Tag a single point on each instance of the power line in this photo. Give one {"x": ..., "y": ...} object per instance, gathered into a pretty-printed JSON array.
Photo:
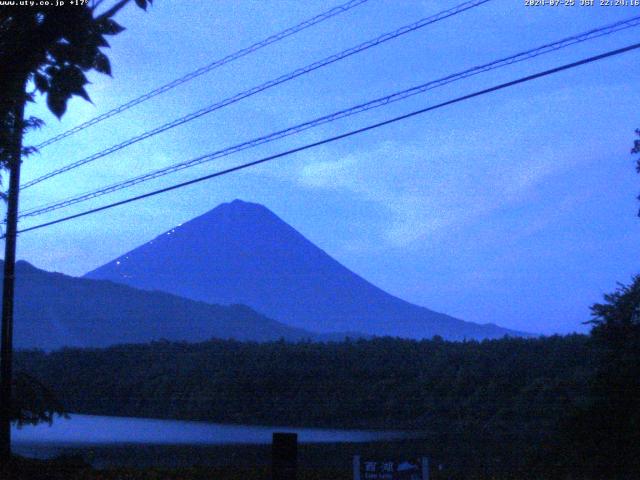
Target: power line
[
  {"x": 207, "y": 68},
  {"x": 271, "y": 83},
  {"x": 351, "y": 133},
  {"x": 379, "y": 102}
]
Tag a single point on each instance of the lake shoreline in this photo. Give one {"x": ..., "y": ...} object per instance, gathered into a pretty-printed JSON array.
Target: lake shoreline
[
  {"x": 311, "y": 456},
  {"x": 94, "y": 430}
]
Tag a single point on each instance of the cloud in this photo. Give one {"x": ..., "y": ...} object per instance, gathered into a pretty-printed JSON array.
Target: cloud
[
  {"x": 452, "y": 175},
  {"x": 431, "y": 188}
]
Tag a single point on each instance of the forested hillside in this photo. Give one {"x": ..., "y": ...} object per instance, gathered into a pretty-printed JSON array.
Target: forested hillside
[
  {"x": 53, "y": 310},
  {"x": 531, "y": 407},
  {"x": 510, "y": 386}
]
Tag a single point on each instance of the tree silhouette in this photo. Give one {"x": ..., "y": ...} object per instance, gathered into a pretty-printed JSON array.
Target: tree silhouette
[
  {"x": 636, "y": 150},
  {"x": 33, "y": 401},
  {"x": 603, "y": 438},
  {"x": 48, "y": 49},
  {"x": 53, "y": 47}
]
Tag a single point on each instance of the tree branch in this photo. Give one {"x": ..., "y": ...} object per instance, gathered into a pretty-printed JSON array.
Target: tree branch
[{"x": 113, "y": 10}]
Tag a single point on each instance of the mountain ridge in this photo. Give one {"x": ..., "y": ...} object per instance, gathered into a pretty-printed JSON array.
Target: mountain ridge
[{"x": 53, "y": 310}]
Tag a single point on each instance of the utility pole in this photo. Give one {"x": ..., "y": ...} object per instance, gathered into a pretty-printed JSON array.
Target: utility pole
[{"x": 6, "y": 340}]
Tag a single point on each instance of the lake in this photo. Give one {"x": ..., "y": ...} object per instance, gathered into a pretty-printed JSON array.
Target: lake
[
  {"x": 89, "y": 431},
  {"x": 94, "y": 429}
]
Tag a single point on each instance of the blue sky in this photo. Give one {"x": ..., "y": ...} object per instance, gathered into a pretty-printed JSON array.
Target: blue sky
[{"x": 516, "y": 208}]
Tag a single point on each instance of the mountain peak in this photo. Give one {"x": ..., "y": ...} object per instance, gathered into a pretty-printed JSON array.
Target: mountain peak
[
  {"x": 24, "y": 266},
  {"x": 235, "y": 211},
  {"x": 238, "y": 204},
  {"x": 241, "y": 252}
]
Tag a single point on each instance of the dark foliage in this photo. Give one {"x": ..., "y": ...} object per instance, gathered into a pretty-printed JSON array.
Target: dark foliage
[
  {"x": 476, "y": 397},
  {"x": 56, "y": 46},
  {"x": 50, "y": 48},
  {"x": 33, "y": 402},
  {"x": 636, "y": 150},
  {"x": 62, "y": 468},
  {"x": 604, "y": 436}
]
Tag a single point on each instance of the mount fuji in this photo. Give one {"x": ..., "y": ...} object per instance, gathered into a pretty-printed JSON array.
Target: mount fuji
[{"x": 242, "y": 253}]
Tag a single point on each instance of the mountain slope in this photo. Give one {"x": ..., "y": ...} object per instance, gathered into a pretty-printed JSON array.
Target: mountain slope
[
  {"x": 53, "y": 310},
  {"x": 242, "y": 253}
]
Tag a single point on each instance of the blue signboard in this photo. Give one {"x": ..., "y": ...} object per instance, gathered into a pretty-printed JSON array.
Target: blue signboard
[{"x": 369, "y": 469}]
